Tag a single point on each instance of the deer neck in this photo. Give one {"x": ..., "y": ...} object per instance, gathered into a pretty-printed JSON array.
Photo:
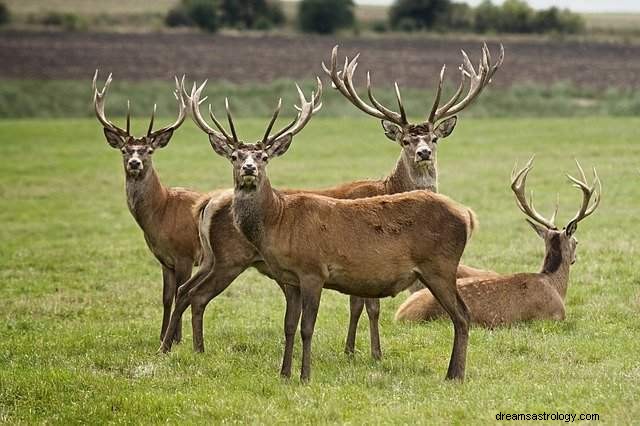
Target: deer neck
[
  {"x": 407, "y": 177},
  {"x": 254, "y": 208},
  {"x": 146, "y": 198},
  {"x": 556, "y": 266}
]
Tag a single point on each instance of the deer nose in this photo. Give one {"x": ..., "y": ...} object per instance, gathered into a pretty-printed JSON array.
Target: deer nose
[
  {"x": 424, "y": 153},
  {"x": 249, "y": 168},
  {"x": 135, "y": 163}
]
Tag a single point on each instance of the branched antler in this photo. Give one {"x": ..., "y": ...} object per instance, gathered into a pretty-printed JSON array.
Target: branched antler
[
  {"x": 587, "y": 193},
  {"x": 518, "y": 184}
]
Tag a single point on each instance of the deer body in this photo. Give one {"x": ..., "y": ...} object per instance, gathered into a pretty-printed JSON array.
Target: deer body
[{"x": 509, "y": 299}]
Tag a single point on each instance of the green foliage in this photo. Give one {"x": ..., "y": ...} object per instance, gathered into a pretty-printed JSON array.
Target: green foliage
[
  {"x": 325, "y": 16},
  {"x": 64, "y": 20},
  {"x": 557, "y": 20},
  {"x": 202, "y": 13},
  {"x": 5, "y": 14},
  {"x": 425, "y": 14},
  {"x": 252, "y": 13},
  {"x": 81, "y": 306}
]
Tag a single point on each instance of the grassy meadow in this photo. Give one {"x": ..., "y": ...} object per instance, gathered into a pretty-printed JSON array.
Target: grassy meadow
[{"x": 81, "y": 294}]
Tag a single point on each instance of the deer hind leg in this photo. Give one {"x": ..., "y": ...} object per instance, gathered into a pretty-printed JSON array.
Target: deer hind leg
[
  {"x": 182, "y": 275},
  {"x": 310, "y": 291},
  {"x": 291, "y": 320},
  {"x": 373, "y": 312},
  {"x": 168, "y": 291},
  {"x": 444, "y": 289},
  {"x": 356, "y": 305}
]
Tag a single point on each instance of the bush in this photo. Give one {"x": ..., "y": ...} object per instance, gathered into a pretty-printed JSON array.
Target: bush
[
  {"x": 250, "y": 13},
  {"x": 202, "y": 13},
  {"x": 66, "y": 21},
  {"x": 379, "y": 26},
  {"x": 517, "y": 17},
  {"x": 487, "y": 17},
  {"x": 5, "y": 15},
  {"x": 325, "y": 16},
  {"x": 556, "y": 20},
  {"x": 460, "y": 17},
  {"x": 424, "y": 13}
]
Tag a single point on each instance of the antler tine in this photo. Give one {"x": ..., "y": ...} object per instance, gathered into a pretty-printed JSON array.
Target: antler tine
[
  {"x": 199, "y": 119},
  {"x": 317, "y": 104},
  {"x": 230, "y": 120},
  {"x": 479, "y": 80},
  {"x": 273, "y": 120},
  {"x": 128, "y": 117},
  {"x": 98, "y": 101},
  {"x": 555, "y": 211},
  {"x": 587, "y": 193},
  {"x": 153, "y": 114},
  {"x": 182, "y": 111},
  {"x": 403, "y": 114},
  {"x": 307, "y": 109},
  {"x": 518, "y": 185},
  {"x": 436, "y": 101}
]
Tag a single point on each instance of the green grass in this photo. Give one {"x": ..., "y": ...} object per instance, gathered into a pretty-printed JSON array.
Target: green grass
[
  {"x": 81, "y": 294},
  {"x": 72, "y": 98}
]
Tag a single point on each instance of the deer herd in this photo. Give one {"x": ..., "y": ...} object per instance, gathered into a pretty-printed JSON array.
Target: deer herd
[{"x": 368, "y": 239}]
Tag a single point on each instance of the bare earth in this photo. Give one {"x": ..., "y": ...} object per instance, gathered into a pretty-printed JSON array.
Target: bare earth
[{"x": 250, "y": 58}]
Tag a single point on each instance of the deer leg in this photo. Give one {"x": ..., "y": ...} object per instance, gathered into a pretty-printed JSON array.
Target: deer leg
[
  {"x": 310, "y": 290},
  {"x": 373, "y": 312},
  {"x": 168, "y": 290},
  {"x": 356, "y": 304},
  {"x": 446, "y": 292},
  {"x": 182, "y": 274},
  {"x": 291, "y": 319},
  {"x": 203, "y": 293}
]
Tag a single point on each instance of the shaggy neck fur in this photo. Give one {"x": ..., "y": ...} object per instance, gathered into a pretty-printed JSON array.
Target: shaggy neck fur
[
  {"x": 556, "y": 265},
  {"x": 253, "y": 207},
  {"x": 146, "y": 197},
  {"x": 406, "y": 176}
]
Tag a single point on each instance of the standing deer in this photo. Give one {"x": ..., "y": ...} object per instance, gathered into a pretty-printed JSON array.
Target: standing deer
[
  {"x": 415, "y": 169},
  {"x": 371, "y": 247},
  {"x": 163, "y": 214},
  {"x": 519, "y": 297}
]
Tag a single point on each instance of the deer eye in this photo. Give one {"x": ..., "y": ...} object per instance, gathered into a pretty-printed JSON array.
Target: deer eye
[
  {"x": 405, "y": 142},
  {"x": 234, "y": 156},
  {"x": 434, "y": 140},
  {"x": 264, "y": 157},
  {"x": 149, "y": 150}
]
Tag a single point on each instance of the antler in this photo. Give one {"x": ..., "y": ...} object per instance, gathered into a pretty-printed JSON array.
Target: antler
[
  {"x": 479, "y": 80},
  {"x": 98, "y": 101},
  {"x": 182, "y": 111},
  {"x": 518, "y": 183},
  {"x": 343, "y": 82},
  {"x": 222, "y": 134},
  {"x": 587, "y": 193},
  {"x": 305, "y": 111}
]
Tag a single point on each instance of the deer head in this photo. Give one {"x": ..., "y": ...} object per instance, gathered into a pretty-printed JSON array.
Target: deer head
[
  {"x": 557, "y": 240},
  {"x": 136, "y": 151},
  {"x": 249, "y": 160},
  {"x": 419, "y": 141}
]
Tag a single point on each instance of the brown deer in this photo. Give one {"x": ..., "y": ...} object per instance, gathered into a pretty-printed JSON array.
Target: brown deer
[
  {"x": 163, "y": 214},
  {"x": 519, "y": 297},
  {"x": 370, "y": 247},
  {"x": 415, "y": 169}
]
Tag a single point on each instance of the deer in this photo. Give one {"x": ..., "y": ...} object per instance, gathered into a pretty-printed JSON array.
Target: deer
[
  {"x": 510, "y": 299},
  {"x": 369, "y": 247},
  {"x": 163, "y": 214},
  {"x": 415, "y": 169}
]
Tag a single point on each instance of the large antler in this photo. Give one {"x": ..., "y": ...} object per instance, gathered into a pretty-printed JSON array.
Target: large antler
[
  {"x": 479, "y": 80},
  {"x": 518, "y": 183},
  {"x": 182, "y": 111},
  {"x": 98, "y": 102},
  {"x": 343, "y": 82},
  {"x": 587, "y": 193},
  {"x": 221, "y": 133}
]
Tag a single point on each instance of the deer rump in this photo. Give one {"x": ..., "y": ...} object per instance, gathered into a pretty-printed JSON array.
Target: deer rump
[{"x": 366, "y": 247}]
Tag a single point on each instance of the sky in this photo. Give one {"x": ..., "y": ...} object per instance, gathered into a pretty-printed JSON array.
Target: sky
[{"x": 576, "y": 5}]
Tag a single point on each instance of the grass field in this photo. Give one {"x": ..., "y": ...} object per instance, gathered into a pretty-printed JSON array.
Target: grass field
[{"x": 81, "y": 294}]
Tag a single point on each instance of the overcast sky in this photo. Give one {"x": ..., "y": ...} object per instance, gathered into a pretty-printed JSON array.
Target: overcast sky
[{"x": 577, "y": 5}]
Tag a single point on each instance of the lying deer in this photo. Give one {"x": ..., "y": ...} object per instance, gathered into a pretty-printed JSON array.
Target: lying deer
[
  {"x": 415, "y": 169},
  {"x": 369, "y": 247},
  {"x": 519, "y": 297},
  {"x": 163, "y": 214}
]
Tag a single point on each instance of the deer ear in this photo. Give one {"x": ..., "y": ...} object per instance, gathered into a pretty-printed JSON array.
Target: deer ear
[
  {"x": 445, "y": 128},
  {"x": 540, "y": 230},
  {"x": 280, "y": 145},
  {"x": 391, "y": 130},
  {"x": 220, "y": 146},
  {"x": 113, "y": 139},
  {"x": 571, "y": 228},
  {"x": 161, "y": 140}
]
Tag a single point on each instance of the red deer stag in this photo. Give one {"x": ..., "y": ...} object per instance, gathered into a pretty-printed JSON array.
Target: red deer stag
[
  {"x": 371, "y": 247},
  {"x": 163, "y": 214},
  {"x": 519, "y": 297},
  {"x": 417, "y": 167},
  {"x": 413, "y": 171}
]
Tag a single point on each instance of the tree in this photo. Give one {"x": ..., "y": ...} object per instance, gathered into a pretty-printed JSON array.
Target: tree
[
  {"x": 424, "y": 13},
  {"x": 203, "y": 13},
  {"x": 251, "y": 13},
  {"x": 325, "y": 16},
  {"x": 487, "y": 17},
  {"x": 5, "y": 16},
  {"x": 517, "y": 17}
]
